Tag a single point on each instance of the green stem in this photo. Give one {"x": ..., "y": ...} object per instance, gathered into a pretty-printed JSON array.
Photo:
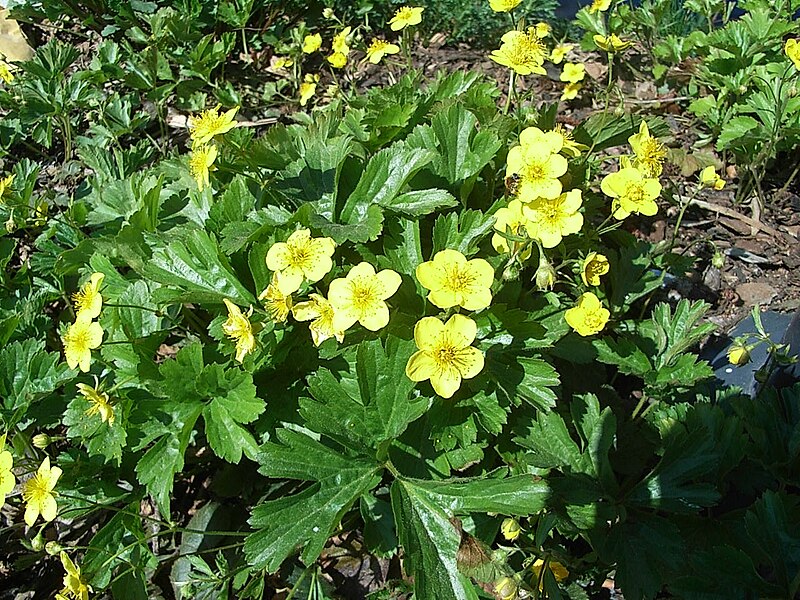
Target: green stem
[
  {"x": 511, "y": 85},
  {"x": 680, "y": 219}
]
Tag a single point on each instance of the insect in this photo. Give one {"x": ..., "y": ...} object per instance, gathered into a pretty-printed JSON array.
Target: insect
[{"x": 512, "y": 184}]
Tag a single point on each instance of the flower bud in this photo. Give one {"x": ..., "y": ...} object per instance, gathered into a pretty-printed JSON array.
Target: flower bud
[
  {"x": 328, "y": 13},
  {"x": 793, "y": 91},
  {"x": 718, "y": 260},
  {"x": 41, "y": 441},
  {"x": 545, "y": 276},
  {"x": 738, "y": 354},
  {"x": 53, "y": 548},
  {"x": 506, "y": 588},
  {"x": 511, "y": 272},
  {"x": 510, "y": 529},
  {"x": 37, "y": 543}
]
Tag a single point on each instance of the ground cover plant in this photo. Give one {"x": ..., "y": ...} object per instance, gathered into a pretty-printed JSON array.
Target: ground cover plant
[{"x": 267, "y": 331}]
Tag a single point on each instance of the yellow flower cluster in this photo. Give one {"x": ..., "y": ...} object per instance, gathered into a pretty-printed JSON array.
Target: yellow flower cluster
[
  {"x": 203, "y": 128},
  {"x": 84, "y": 335}
]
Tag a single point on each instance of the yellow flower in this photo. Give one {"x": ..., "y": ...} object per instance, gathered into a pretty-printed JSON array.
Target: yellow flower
[
  {"x": 709, "y": 178},
  {"x": 99, "y": 401},
  {"x": 538, "y": 164},
  {"x": 599, "y": 5},
  {"x": 510, "y": 529},
  {"x": 7, "y": 479},
  {"x": 282, "y": 62},
  {"x": 594, "y": 265},
  {"x": 568, "y": 144},
  {"x": 200, "y": 161},
  {"x": 792, "y": 49},
  {"x": 203, "y": 128},
  {"x": 521, "y": 52},
  {"x": 339, "y": 44},
  {"x": 632, "y": 192},
  {"x": 75, "y": 588},
  {"x": 37, "y": 492},
  {"x": 560, "y": 52},
  {"x": 361, "y": 296},
  {"x": 308, "y": 88},
  {"x": 276, "y": 303},
  {"x": 588, "y": 316},
  {"x": 378, "y": 49},
  {"x": 504, "y": 5},
  {"x": 543, "y": 29},
  {"x": 573, "y": 72},
  {"x": 320, "y": 312},
  {"x": 511, "y": 220},
  {"x": 650, "y": 153},
  {"x": 455, "y": 281},
  {"x": 5, "y": 184},
  {"x": 506, "y": 588},
  {"x": 238, "y": 328},
  {"x": 405, "y": 17},
  {"x": 80, "y": 339},
  {"x": 445, "y": 353},
  {"x": 570, "y": 91},
  {"x": 88, "y": 300},
  {"x": 554, "y": 218},
  {"x": 558, "y": 570},
  {"x": 738, "y": 354},
  {"x": 300, "y": 257},
  {"x": 337, "y": 60},
  {"x": 611, "y": 43},
  {"x": 5, "y": 72},
  {"x": 312, "y": 43}
]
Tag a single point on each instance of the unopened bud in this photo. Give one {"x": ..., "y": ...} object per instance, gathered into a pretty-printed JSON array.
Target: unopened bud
[
  {"x": 41, "y": 441},
  {"x": 506, "y": 588},
  {"x": 718, "y": 260},
  {"x": 510, "y": 529},
  {"x": 37, "y": 543},
  {"x": 738, "y": 354},
  {"x": 545, "y": 276},
  {"x": 619, "y": 111},
  {"x": 53, "y": 548},
  {"x": 793, "y": 91},
  {"x": 511, "y": 272},
  {"x": 328, "y": 13}
]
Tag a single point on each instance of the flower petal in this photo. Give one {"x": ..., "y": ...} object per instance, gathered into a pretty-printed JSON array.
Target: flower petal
[
  {"x": 461, "y": 328},
  {"x": 377, "y": 318},
  {"x": 390, "y": 282},
  {"x": 446, "y": 382},
  {"x": 278, "y": 257},
  {"x": 470, "y": 362},
  {"x": 31, "y": 513},
  {"x": 420, "y": 366},
  {"x": 430, "y": 275},
  {"x": 48, "y": 507},
  {"x": 427, "y": 332}
]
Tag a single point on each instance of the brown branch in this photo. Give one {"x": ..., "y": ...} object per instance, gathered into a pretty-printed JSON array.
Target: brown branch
[{"x": 728, "y": 212}]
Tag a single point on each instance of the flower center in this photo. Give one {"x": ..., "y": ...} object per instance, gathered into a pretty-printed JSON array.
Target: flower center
[
  {"x": 445, "y": 355},
  {"x": 459, "y": 280},
  {"x": 364, "y": 294},
  {"x": 35, "y": 489},
  {"x": 593, "y": 319},
  {"x": 535, "y": 171},
  {"x": 80, "y": 340},
  {"x": 299, "y": 255},
  {"x": 635, "y": 192}
]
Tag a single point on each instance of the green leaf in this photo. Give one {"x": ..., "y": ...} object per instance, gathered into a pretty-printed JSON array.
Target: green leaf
[
  {"x": 676, "y": 332},
  {"x": 462, "y": 149},
  {"x": 306, "y": 519},
  {"x": 735, "y": 130},
  {"x": 431, "y": 544},
  {"x": 598, "y": 431},
  {"x": 624, "y": 354},
  {"x": 368, "y": 228},
  {"x": 461, "y": 231},
  {"x": 631, "y": 276},
  {"x": 379, "y": 533},
  {"x": 520, "y": 377},
  {"x": 27, "y": 374},
  {"x": 383, "y": 179},
  {"x": 103, "y": 439},
  {"x": 189, "y": 261},
  {"x": 225, "y": 414},
  {"x": 419, "y": 203},
  {"x": 367, "y": 406}
]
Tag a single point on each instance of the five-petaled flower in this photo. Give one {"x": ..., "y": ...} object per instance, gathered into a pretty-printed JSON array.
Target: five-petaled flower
[
  {"x": 88, "y": 301},
  {"x": 312, "y": 43},
  {"x": 7, "y": 479},
  {"x": 551, "y": 219},
  {"x": 320, "y": 312},
  {"x": 570, "y": 91},
  {"x": 361, "y": 297},
  {"x": 588, "y": 316},
  {"x": 573, "y": 72},
  {"x": 83, "y": 336},
  {"x": 378, "y": 49},
  {"x": 599, "y": 5},
  {"x": 455, "y": 281},
  {"x": 594, "y": 265},
  {"x": 99, "y": 402},
  {"x": 650, "y": 153},
  {"x": 210, "y": 123},
  {"x": 238, "y": 328},
  {"x": 445, "y": 354},
  {"x": 406, "y": 16},
  {"x": 709, "y": 178},
  {"x": 632, "y": 192},
  {"x": 75, "y": 587},
  {"x": 201, "y": 161},
  {"x": 521, "y": 52},
  {"x": 560, "y": 52},
  {"x": 300, "y": 257},
  {"x": 38, "y": 494},
  {"x": 504, "y": 5},
  {"x": 537, "y": 162},
  {"x": 276, "y": 303}
]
